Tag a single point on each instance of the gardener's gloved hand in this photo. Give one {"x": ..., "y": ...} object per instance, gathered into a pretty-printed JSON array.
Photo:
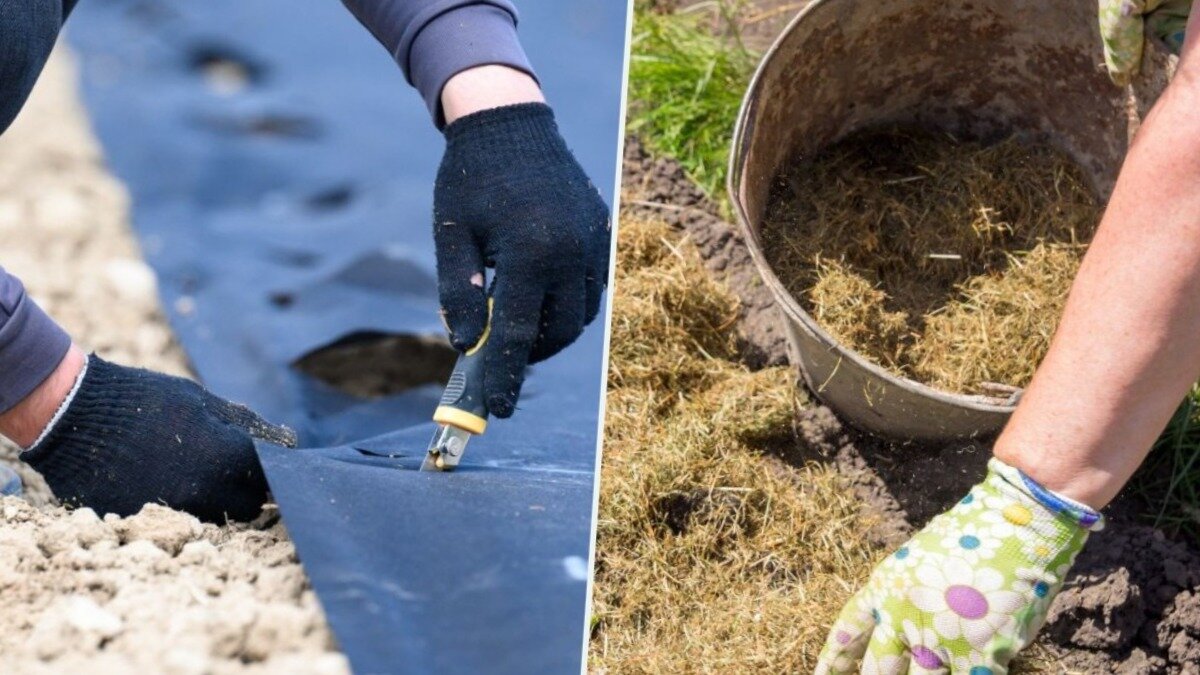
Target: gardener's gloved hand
[
  {"x": 970, "y": 590},
  {"x": 1126, "y": 25},
  {"x": 126, "y": 437},
  {"x": 511, "y": 196}
]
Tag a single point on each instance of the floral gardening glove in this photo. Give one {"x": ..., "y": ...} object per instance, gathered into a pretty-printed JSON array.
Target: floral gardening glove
[
  {"x": 1125, "y": 26},
  {"x": 970, "y": 590}
]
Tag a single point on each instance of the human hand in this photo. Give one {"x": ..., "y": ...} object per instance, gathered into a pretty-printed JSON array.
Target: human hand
[
  {"x": 511, "y": 196},
  {"x": 126, "y": 437},
  {"x": 970, "y": 590},
  {"x": 1125, "y": 25}
]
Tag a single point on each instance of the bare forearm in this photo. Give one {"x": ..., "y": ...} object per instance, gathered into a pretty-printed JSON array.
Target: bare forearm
[{"x": 1126, "y": 351}]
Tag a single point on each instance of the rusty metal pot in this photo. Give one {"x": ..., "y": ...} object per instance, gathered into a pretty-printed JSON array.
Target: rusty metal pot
[{"x": 977, "y": 68}]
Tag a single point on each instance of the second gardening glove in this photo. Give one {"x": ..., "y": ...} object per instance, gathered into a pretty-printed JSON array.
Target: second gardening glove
[
  {"x": 970, "y": 590},
  {"x": 126, "y": 437},
  {"x": 511, "y": 196},
  {"x": 1126, "y": 25}
]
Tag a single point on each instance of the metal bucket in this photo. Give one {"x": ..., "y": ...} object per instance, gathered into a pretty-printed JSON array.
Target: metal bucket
[{"x": 977, "y": 68}]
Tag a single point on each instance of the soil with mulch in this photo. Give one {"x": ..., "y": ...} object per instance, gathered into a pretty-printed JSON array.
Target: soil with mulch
[
  {"x": 1132, "y": 602},
  {"x": 659, "y": 189}
]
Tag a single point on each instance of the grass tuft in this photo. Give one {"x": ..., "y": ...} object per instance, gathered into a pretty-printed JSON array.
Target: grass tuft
[
  {"x": 1169, "y": 480},
  {"x": 685, "y": 87}
]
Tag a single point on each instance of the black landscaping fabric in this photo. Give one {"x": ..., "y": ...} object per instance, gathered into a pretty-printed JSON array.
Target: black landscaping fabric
[{"x": 281, "y": 176}]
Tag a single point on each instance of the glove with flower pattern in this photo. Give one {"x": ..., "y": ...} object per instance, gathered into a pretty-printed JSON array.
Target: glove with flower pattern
[
  {"x": 1126, "y": 25},
  {"x": 970, "y": 590}
]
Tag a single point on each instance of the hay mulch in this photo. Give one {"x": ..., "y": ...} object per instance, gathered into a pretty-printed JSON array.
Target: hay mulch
[
  {"x": 713, "y": 553},
  {"x": 947, "y": 262}
]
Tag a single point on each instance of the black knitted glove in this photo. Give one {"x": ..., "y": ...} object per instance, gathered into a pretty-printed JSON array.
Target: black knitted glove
[
  {"x": 130, "y": 436},
  {"x": 511, "y": 196}
]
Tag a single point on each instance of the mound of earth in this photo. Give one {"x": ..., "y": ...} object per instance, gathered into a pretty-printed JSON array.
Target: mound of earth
[{"x": 154, "y": 592}]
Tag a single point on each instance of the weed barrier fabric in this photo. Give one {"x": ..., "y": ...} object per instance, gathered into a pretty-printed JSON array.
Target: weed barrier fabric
[
  {"x": 281, "y": 175},
  {"x": 481, "y": 570}
]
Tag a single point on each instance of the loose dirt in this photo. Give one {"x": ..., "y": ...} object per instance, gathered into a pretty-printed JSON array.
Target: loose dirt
[
  {"x": 159, "y": 591},
  {"x": 1131, "y": 605}
]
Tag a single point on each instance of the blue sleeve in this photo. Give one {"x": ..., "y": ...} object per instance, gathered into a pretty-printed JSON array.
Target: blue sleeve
[{"x": 433, "y": 40}]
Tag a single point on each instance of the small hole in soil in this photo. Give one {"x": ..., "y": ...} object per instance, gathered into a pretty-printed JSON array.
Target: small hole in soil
[
  {"x": 373, "y": 365},
  {"x": 282, "y": 299},
  {"x": 338, "y": 197},
  {"x": 294, "y": 258},
  {"x": 225, "y": 72},
  {"x": 265, "y": 125},
  {"x": 675, "y": 510},
  {"x": 679, "y": 511}
]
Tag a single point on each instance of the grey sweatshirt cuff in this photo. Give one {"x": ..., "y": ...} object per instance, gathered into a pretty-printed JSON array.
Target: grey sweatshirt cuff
[
  {"x": 433, "y": 40},
  {"x": 31, "y": 344},
  {"x": 466, "y": 37}
]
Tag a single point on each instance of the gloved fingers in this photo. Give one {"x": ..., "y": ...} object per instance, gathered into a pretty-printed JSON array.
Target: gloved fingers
[
  {"x": 243, "y": 484},
  {"x": 461, "y": 288},
  {"x": 848, "y": 638},
  {"x": 887, "y": 655},
  {"x": 245, "y": 419},
  {"x": 920, "y": 647},
  {"x": 562, "y": 320},
  {"x": 516, "y": 317},
  {"x": 1122, "y": 29}
]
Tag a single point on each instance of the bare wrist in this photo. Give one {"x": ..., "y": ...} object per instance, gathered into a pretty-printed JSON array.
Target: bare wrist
[
  {"x": 485, "y": 87},
  {"x": 25, "y": 422},
  {"x": 1094, "y": 486}
]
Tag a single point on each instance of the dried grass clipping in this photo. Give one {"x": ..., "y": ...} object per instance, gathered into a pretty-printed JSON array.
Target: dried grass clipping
[
  {"x": 711, "y": 554},
  {"x": 944, "y": 261}
]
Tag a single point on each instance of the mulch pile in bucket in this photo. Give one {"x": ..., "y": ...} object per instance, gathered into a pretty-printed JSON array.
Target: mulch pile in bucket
[{"x": 944, "y": 261}]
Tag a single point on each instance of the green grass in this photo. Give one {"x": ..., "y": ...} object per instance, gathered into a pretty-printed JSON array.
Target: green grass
[
  {"x": 1169, "y": 480},
  {"x": 685, "y": 87}
]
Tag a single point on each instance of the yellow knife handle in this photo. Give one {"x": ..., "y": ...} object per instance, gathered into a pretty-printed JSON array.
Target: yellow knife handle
[{"x": 462, "y": 403}]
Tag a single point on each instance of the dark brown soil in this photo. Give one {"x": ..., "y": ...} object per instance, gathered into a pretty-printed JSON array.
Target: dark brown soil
[
  {"x": 373, "y": 365},
  {"x": 1132, "y": 602},
  {"x": 659, "y": 188}
]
